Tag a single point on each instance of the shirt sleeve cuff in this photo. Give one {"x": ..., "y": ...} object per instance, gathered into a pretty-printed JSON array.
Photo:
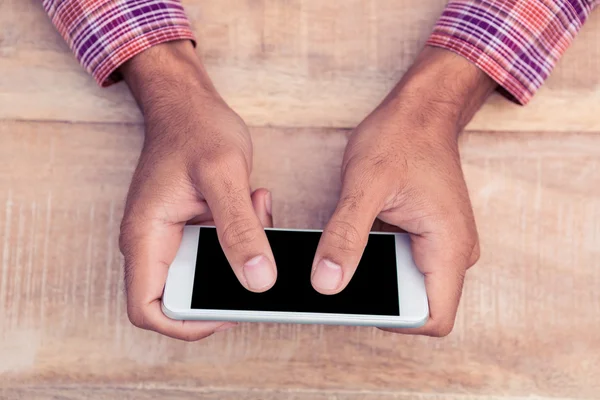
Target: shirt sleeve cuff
[
  {"x": 106, "y": 73},
  {"x": 103, "y": 34},
  {"x": 516, "y": 42}
]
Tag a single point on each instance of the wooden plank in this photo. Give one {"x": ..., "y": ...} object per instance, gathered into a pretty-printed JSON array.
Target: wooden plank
[
  {"x": 76, "y": 392},
  {"x": 295, "y": 63},
  {"x": 528, "y": 323}
]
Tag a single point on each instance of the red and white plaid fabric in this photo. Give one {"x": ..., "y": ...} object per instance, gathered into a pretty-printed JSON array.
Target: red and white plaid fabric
[
  {"x": 104, "y": 34},
  {"x": 516, "y": 42}
]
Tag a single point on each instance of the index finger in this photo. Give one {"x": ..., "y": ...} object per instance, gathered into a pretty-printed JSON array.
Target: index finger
[{"x": 240, "y": 230}]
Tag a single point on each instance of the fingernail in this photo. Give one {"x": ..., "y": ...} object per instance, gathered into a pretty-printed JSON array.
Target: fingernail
[
  {"x": 269, "y": 203},
  {"x": 225, "y": 327},
  {"x": 259, "y": 273},
  {"x": 328, "y": 275}
]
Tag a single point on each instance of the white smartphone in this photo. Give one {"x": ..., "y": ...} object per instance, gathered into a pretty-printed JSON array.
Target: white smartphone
[{"x": 387, "y": 289}]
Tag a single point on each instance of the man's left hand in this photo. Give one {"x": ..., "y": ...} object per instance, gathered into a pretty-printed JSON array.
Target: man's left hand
[{"x": 402, "y": 166}]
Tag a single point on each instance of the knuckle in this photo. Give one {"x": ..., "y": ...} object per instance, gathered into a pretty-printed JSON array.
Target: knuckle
[
  {"x": 372, "y": 174},
  {"x": 467, "y": 249},
  {"x": 239, "y": 234},
  {"x": 463, "y": 239},
  {"x": 130, "y": 227},
  {"x": 386, "y": 164},
  {"x": 441, "y": 329},
  {"x": 215, "y": 163},
  {"x": 221, "y": 172},
  {"x": 475, "y": 254},
  {"x": 136, "y": 317},
  {"x": 343, "y": 235},
  {"x": 124, "y": 235}
]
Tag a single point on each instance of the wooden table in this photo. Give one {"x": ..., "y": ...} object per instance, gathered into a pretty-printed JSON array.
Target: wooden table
[{"x": 302, "y": 73}]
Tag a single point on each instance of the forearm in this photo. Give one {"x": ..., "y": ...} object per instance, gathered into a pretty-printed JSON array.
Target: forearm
[
  {"x": 440, "y": 87},
  {"x": 165, "y": 73}
]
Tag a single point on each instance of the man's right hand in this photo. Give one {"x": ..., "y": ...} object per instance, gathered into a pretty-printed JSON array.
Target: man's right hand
[{"x": 194, "y": 166}]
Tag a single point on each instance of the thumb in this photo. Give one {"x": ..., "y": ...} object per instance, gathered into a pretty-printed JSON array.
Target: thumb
[{"x": 343, "y": 241}]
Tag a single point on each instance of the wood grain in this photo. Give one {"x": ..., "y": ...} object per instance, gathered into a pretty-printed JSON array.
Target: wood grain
[
  {"x": 528, "y": 323},
  {"x": 141, "y": 392},
  {"x": 296, "y": 63},
  {"x": 296, "y": 70}
]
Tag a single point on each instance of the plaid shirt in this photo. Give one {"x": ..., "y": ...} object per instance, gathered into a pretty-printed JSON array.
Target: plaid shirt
[{"x": 516, "y": 42}]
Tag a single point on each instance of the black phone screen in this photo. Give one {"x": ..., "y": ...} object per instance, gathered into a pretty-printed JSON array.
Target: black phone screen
[{"x": 372, "y": 291}]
